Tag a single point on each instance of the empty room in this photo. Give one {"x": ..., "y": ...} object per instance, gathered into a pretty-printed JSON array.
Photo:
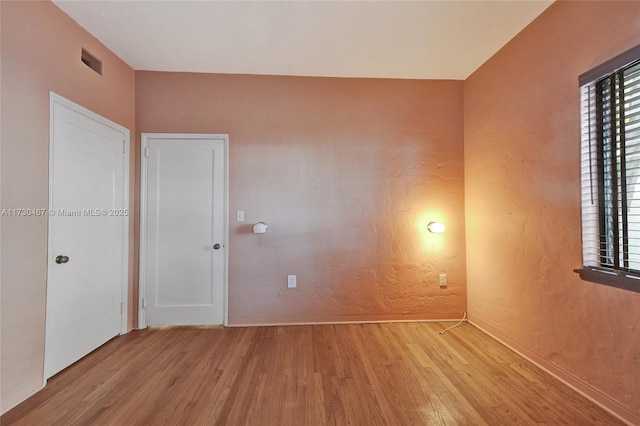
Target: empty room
[{"x": 320, "y": 212}]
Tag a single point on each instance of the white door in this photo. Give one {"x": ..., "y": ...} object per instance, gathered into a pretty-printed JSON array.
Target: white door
[
  {"x": 88, "y": 233},
  {"x": 183, "y": 229}
]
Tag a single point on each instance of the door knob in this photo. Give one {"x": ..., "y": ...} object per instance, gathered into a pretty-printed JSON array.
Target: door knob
[
  {"x": 216, "y": 246},
  {"x": 62, "y": 259}
]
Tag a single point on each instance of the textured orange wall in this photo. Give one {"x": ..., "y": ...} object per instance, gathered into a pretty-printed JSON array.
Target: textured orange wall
[
  {"x": 346, "y": 173},
  {"x": 40, "y": 52},
  {"x": 523, "y": 203}
]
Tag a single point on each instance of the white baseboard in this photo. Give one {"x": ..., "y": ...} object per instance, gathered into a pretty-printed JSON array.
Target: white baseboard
[
  {"x": 585, "y": 389},
  {"x": 283, "y": 324},
  {"x": 14, "y": 403}
]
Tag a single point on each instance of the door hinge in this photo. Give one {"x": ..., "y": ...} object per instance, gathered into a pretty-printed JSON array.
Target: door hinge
[
  {"x": 146, "y": 152},
  {"x": 123, "y": 147},
  {"x": 144, "y": 303},
  {"x": 121, "y": 308}
]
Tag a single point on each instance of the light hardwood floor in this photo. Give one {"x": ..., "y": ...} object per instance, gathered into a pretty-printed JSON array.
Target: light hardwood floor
[{"x": 365, "y": 374}]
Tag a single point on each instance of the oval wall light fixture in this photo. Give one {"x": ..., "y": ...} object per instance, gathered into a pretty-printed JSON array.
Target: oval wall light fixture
[
  {"x": 436, "y": 227},
  {"x": 260, "y": 228}
]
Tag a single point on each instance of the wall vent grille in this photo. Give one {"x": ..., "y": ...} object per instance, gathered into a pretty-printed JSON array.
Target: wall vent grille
[{"x": 91, "y": 61}]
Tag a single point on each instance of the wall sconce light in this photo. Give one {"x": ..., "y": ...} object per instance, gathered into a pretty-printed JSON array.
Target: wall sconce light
[
  {"x": 436, "y": 227},
  {"x": 260, "y": 228}
]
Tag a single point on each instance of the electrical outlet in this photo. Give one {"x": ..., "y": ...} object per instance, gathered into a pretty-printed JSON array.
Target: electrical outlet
[
  {"x": 291, "y": 281},
  {"x": 443, "y": 280}
]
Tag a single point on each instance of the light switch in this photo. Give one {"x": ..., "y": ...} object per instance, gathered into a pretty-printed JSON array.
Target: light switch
[
  {"x": 240, "y": 216},
  {"x": 443, "y": 280},
  {"x": 291, "y": 281}
]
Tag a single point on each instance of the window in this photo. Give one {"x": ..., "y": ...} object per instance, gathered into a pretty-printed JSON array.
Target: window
[{"x": 610, "y": 163}]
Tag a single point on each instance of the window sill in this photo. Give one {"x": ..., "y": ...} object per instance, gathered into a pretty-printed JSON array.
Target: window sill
[{"x": 609, "y": 278}]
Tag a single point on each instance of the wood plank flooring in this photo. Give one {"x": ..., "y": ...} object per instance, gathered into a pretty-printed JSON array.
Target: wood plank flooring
[{"x": 364, "y": 374}]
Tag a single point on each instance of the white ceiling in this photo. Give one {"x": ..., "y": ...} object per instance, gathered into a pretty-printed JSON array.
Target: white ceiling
[{"x": 383, "y": 39}]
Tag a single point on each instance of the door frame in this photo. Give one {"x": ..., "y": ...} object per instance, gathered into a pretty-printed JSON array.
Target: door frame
[
  {"x": 54, "y": 99},
  {"x": 144, "y": 145}
]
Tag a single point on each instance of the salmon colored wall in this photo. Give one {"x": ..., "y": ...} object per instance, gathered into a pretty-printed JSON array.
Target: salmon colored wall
[
  {"x": 40, "y": 52},
  {"x": 346, "y": 173},
  {"x": 522, "y": 199}
]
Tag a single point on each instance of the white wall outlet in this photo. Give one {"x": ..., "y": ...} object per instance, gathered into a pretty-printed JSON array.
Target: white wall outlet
[
  {"x": 291, "y": 281},
  {"x": 240, "y": 216},
  {"x": 443, "y": 280}
]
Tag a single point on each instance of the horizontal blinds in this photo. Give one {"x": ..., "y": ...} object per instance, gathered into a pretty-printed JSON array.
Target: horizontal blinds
[
  {"x": 630, "y": 131},
  {"x": 589, "y": 179},
  {"x": 610, "y": 164}
]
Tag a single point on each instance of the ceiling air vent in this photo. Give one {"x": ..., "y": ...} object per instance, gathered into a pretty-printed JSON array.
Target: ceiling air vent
[{"x": 91, "y": 61}]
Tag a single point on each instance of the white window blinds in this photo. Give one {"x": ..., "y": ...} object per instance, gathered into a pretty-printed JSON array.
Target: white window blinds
[{"x": 610, "y": 163}]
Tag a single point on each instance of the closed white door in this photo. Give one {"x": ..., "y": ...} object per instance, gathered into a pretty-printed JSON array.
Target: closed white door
[
  {"x": 183, "y": 229},
  {"x": 88, "y": 233}
]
